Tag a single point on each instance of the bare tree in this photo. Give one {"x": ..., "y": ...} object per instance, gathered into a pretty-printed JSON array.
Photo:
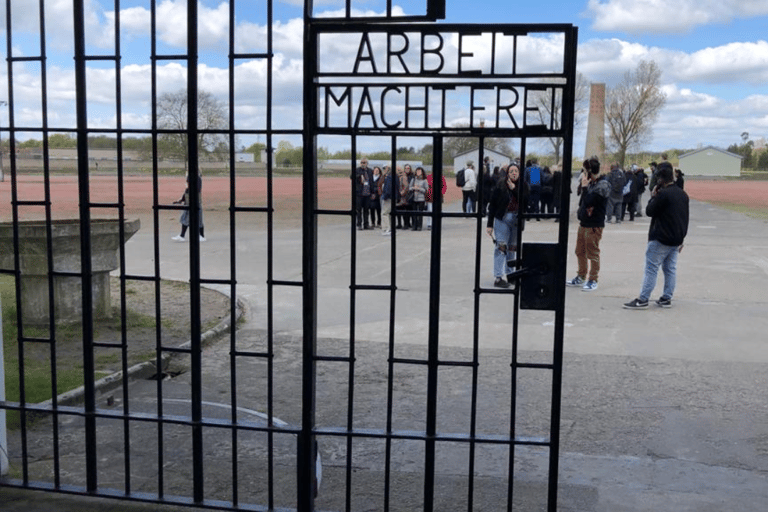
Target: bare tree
[
  {"x": 632, "y": 107},
  {"x": 172, "y": 115},
  {"x": 551, "y": 107}
]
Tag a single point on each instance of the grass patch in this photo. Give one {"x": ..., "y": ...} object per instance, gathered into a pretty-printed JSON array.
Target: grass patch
[
  {"x": 38, "y": 385},
  {"x": 757, "y": 213}
]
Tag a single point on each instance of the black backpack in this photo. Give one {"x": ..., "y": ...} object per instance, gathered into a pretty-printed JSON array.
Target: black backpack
[
  {"x": 460, "y": 178},
  {"x": 617, "y": 181}
]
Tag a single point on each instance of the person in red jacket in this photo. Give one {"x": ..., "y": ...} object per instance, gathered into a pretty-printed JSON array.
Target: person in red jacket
[{"x": 430, "y": 197}]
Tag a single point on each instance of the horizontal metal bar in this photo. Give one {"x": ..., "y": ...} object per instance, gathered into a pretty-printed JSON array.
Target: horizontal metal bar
[
  {"x": 422, "y": 435},
  {"x": 385, "y": 287},
  {"x": 132, "y": 277},
  {"x": 105, "y": 205},
  {"x": 332, "y": 212},
  {"x": 252, "y": 55},
  {"x": 339, "y": 359},
  {"x": 217, "y": 281},
  {"x": 252, "y": 209},
  {"x": 400, "y": 360},
  {"x": 25, "y": 59},
  {"x": 537, "y": 366},
  {"x": 101, "y": 57},
  {"x": 275, "y": 282},
  {"x": 265, "y": 355},
  {"x": 30, "y": 203},
  {"x": 35, "y": 340}
]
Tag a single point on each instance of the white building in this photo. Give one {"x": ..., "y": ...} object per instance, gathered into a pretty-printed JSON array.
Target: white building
[
  {"x": 460, "y": 160},
  {"x": 710, "y": 161}
]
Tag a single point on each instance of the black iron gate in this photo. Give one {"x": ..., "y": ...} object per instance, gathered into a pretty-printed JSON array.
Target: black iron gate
[{"x": 432, "y": 390}]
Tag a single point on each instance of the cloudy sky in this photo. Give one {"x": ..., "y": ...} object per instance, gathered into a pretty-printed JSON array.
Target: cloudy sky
[{"x": 713, "y": 55}]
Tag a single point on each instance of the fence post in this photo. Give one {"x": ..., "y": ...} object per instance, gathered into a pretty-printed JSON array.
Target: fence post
[{"x": 3, "y": 438}]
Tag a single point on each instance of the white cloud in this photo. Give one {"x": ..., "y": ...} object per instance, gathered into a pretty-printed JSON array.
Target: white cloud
[
  {"x": 608, "y": 60},
  {"x": 668, "y": 16}
]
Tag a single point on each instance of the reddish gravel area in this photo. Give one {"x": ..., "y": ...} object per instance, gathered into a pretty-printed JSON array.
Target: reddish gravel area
[
  {"x": 333, "y": 194},
  {"x": 752, "y": 194},
  {"x": 138, "y": 196}
]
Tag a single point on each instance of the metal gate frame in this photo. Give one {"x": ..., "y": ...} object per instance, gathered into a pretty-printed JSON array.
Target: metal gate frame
[{"x": 308, "y": 431}]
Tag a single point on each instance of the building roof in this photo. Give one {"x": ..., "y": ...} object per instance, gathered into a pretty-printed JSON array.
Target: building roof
[
  {"x": 712, "y": 148},
  {"x": 485, "y": 150}
]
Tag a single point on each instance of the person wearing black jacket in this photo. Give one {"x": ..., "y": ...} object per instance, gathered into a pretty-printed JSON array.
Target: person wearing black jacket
[
  {"x": 504, "y": 207},
  {"x": 668, "y": 209},
  {"x": 595, "y": 190}
]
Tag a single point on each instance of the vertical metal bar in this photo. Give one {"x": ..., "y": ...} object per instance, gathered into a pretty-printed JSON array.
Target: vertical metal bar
[
  {"x": 569, "y": 94},
  {"x": 49, "y": 244},
  {"x": 85, "y": 244},
  {"x": 391, "y": 334},
  {"x": 270, "y": 260},
  {"x": 434, "y": 333},
  {"x": 194, "y": 256},
  {"x": 156, "y": 251},
  {"x": 306, "y": 466},
  {"x": 233, "y": 261},
  {"x": 473, "y": 414},
  {"x": 352, "y": 321},
  {"x": 16, "y": 255},
  {"x": 121, "y": 249}
]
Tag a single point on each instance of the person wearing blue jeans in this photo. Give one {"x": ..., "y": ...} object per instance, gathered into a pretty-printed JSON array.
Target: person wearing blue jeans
[
  {"x": 668, "y": 210},
  {"x": 504, "y": 207}
]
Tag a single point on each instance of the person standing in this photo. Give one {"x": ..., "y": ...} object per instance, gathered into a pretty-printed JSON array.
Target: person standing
[
  {"x": 617, "y": 180},
  {"x": 504, "y": 208},
  {"x": 361, "y": 177},
  {"x": 419, "y": 187},
  {"x": 184, "y": 219},
  {"x": 641, "y": 181},
  {"x": 533, "y": 179},
  {"x": 387, "y": 195},
  {"x": 594, "y": 196},
  {"x": 668, "y": 209},
  {"x": 430, "y": 196},
  {"x": 375, "y": 202},
  {"x": 469, "y": 188}
]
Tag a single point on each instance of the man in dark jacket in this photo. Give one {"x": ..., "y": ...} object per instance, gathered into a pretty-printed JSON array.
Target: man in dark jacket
[
  {"x": 594, "y": 196},
  {"x": 668, "y": 209}
]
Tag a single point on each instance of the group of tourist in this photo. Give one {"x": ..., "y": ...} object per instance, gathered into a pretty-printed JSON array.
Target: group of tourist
[{"x": 379, "y": 192}]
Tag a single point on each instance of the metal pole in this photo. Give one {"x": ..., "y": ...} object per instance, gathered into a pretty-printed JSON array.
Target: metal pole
[
  {"x": 3, "y": 103},
  {"x": 3, "y": 439}
]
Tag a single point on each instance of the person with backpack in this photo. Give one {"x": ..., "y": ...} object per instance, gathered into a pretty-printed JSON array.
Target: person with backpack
[
  {"x": 630, "y": 196},
  {"x": 468, "y": 181},
  {"x": 617, "y": 180},
  {"x": 533, "y": 179}
]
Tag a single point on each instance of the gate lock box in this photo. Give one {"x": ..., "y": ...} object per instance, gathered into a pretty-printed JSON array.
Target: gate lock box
[{"x": 538, "y": 286}]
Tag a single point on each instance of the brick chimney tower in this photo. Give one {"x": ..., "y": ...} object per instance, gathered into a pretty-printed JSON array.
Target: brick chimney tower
[{"x": 596, "y": 123}]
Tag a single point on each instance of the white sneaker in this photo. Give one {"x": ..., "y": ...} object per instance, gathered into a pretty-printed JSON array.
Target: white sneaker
[
  {"x": 202, "y": 238},
  {"x": 386, "y": 233},
  {"x": 179, "y": 238}
]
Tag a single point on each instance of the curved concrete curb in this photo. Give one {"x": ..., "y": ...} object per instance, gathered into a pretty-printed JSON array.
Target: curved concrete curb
[{"x": 148, "y": 368}]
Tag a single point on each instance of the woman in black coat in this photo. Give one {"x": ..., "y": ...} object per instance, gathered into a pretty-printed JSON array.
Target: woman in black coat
[{"x": 507, "y": 202}]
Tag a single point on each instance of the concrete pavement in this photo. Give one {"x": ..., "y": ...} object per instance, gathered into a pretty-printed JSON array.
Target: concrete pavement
[{"x": 663, "y": 409}]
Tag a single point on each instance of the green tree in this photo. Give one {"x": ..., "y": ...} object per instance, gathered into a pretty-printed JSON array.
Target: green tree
[
  {"x": 62, "y": 141},
  {"x": 172, "y": 115},
  {"x": 762, "y": 160}
]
